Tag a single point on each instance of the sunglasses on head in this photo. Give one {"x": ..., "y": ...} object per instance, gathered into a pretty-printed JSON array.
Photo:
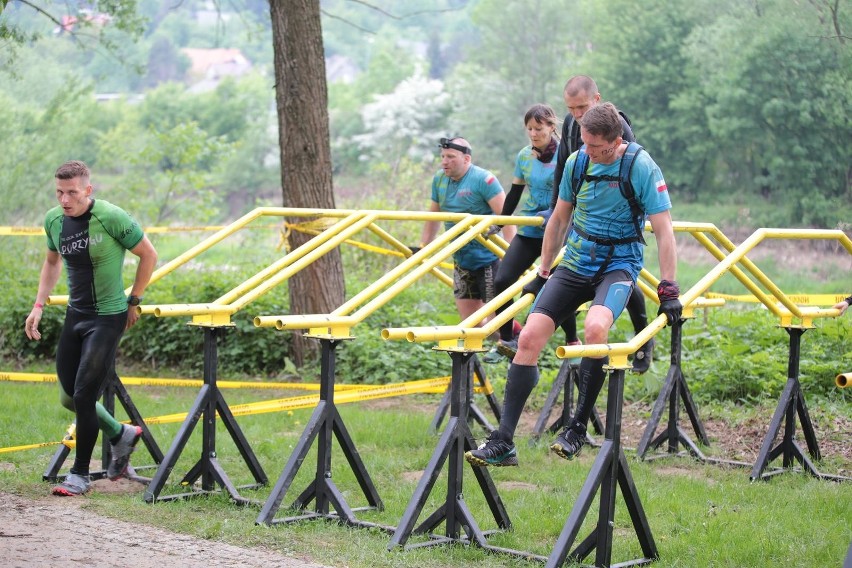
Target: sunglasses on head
[{"x": 447, "y": 143}]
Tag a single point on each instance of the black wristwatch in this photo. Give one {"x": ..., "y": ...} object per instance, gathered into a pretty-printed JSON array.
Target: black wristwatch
[{"x": 134, "y": 300}]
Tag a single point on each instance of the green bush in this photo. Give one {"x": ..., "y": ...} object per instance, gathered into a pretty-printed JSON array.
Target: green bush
[
  {"x": 242, "y": 349},
  {"x": 742, "y": 354}
]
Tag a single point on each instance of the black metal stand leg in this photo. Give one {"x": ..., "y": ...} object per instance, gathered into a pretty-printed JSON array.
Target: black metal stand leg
[
  {"x": 674, "y": 391},
  {"x": 566, "y": 379},
  {"x": 325, "y": 422},
  {"x": 474, "y": 414},
  {"x": 208, "y": 469},
  {"x": 454, "y": 512},
  {"x": 791, "y": 402},
  {"x": 610, "y": 467},
  {"x": 113, "y": 387},
  {"x": 482, "y": 380}
]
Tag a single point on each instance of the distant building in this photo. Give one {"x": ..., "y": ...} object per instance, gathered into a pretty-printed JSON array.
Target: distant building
[
  {"x": 209, "y": 66},
  {"x": 68, "y": 22}
]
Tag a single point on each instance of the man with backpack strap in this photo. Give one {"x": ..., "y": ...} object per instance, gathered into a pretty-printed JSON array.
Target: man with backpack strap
[
  {"x": 600, "y": 267},
  {"x": 581, "y": 94}
]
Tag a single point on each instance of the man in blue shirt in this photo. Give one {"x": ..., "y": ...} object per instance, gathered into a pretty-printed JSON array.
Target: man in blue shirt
[
  {"x": 603, "y": 257},
  {"x": 461, "y": 187},
  {"x": 580, "y": 94}
]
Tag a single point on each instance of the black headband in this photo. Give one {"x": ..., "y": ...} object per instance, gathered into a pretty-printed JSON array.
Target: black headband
[{"x": 447, "y": 143}]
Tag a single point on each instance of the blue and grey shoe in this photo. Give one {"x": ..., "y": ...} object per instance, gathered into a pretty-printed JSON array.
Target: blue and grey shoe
[{"x": 495, "y": 451}]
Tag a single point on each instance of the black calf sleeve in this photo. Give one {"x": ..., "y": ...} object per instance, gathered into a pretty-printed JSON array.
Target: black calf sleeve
[
  {"x": 520, "y": 382},
  {"x": 592, "y": 377}
]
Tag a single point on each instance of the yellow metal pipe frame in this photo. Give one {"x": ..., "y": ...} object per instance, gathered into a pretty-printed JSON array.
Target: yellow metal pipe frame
[
  {"x": 403, "y": 248},
  {"x": 423, "y": 262},
  {"x": 287, "y": 260},
  {"x": 728, "y": 264},
  {"x": 843, "y": 380}
]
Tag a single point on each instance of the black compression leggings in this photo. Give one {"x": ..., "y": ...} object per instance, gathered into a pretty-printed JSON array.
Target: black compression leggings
[
  {"x": 522, "y": 252},
  {"x": 84, "y": 358}
]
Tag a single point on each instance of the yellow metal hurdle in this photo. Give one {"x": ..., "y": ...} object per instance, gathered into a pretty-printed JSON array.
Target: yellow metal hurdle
[{"x": 332, "y": 328}]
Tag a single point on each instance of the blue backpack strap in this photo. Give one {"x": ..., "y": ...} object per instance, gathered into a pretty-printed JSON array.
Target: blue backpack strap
[
  {"x": 627, "y": 190},
  {"x": 579, "y": 172}
]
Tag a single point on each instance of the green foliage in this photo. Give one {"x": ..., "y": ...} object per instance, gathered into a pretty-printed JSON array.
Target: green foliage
[{"x": 742, "y": 355}]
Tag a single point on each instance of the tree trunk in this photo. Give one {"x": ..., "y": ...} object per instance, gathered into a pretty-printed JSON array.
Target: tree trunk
[{"x": 301, "y": 97}]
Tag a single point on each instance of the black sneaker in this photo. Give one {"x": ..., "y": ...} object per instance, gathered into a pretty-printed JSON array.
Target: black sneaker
[
  {"x": 569, "y": 442},
  {"x": 494, "y": 451},
  {"x": 642, "y": 358}
]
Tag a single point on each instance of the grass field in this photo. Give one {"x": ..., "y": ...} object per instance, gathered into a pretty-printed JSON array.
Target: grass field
[{"x": 699, "y": 515}]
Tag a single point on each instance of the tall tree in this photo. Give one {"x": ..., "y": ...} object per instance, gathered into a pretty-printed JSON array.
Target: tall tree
[{"x": 302, "y": 101}]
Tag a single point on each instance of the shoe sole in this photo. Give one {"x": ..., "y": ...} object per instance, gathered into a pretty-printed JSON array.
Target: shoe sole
[
  {"x": 132, "y": 449},
  {"x": 506, "y": 352},
  {"x": 62, "y": 492},
  {"x": 557, "y": 449},
  {"x": 473, "y": 460}
]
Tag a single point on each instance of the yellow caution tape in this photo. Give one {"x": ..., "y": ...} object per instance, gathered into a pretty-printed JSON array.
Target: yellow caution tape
[
  {"x": 179, "y": 382},
  {"x": 436, "y": 385},
  {"x": 798, "y": 299}
]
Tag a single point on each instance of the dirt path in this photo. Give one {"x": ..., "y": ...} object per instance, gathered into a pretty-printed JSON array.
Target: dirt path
[{"x": 58, "y": 532}]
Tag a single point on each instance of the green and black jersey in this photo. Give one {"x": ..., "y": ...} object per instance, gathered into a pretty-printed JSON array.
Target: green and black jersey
[{"x": 92, "y": 247}]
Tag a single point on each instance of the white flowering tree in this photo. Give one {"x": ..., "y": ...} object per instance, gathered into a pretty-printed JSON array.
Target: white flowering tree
[{"x": 402, "y": 128}]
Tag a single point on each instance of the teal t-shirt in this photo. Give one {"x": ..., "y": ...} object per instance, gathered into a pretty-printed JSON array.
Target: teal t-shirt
[
  {"x": 602, "y": 211},
  {"x": 468, "y": 195},
  {"x": 92, "y": 247},
  {"x": 538, "y": 177}
]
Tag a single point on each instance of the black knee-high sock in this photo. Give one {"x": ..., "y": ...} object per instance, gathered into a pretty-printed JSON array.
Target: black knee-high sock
[
  {"x": 636, "y": 309},
  {"x": 591, "y": 382},
  {"x": 520, "y": 382}
]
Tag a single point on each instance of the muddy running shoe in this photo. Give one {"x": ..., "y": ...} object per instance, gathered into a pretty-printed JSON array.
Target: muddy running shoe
[
  {"x": 494, "y": 451},
  {"x": 570, "y": 441},
  {"x": 493, "y": 356},
  {"x": 73, "y": 486},
  {"x": 642, "y": 359},
  {"x": 122, "y": 449},
  {"x": 507, "y": 348}
]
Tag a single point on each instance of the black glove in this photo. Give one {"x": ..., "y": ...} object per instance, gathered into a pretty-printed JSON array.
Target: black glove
[
  {"x": 492, "y": 230},
  {"x": 535, "y": 286},
  {"x": 545, "y": 214},
  {"x": 414, "y": 250},
  {"x": 668, "y": 292}
]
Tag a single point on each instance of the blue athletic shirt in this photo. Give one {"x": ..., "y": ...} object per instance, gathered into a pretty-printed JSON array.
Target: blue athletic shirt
[
  {"x": 602, "y": 211},
  {"x": 538, "y": 177},
  {"x": 468, "y": 195}
]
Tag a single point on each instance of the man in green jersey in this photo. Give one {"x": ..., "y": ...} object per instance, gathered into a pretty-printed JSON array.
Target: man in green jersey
[{"x": 90, "y": 238}]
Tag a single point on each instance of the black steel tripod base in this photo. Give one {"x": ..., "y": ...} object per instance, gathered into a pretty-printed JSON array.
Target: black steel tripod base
[
  {"x": 791, "y": 404},
  {"x": 460, "y": 525},
  {"x": 674, "y": 391},
  {"x": 610, "y": 469},
  {"x": 208, "y": 402},
  {"x": 324, "y": 422},
  {"x": 475, "y": 414}
]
